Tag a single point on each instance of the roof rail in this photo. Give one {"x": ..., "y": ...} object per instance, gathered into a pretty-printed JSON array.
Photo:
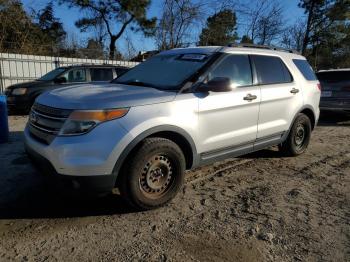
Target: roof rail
[{"x": 263, "y": 47}]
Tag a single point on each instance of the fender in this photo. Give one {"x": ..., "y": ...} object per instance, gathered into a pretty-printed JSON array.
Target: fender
[{"x": 149, "y": 132}]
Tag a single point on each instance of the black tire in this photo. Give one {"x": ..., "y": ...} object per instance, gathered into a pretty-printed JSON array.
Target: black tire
[
  {"x": 154, "y": 174},
  {"x": 298, "y": 138}
]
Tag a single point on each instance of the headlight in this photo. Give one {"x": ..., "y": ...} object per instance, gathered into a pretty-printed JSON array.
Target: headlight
[
  {"x": 19, "y": 91},
  {"x": 81, "y": 122}
]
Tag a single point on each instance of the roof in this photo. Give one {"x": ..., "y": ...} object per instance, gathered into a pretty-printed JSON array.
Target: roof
[
  {"x": 233, "y": 49},
  {"x": 334, "y": 70},
  {"x": 93, "y": 65}
]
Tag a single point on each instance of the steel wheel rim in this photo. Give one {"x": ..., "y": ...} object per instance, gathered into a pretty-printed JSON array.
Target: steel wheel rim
[
  {"x": 299, "y": 137},
  {"x": 156, "y": 177}
]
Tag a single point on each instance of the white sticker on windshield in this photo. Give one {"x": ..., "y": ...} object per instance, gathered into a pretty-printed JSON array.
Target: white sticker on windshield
[{"x": 198, "y": 57}]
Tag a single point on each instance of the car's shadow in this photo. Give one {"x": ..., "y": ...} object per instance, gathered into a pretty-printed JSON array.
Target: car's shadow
[
  {"x": 43, "y": 204},
  {"x": 26, "y": 192},
  {"x": 264, "y": 153},
  {"x": 329, "y": 118}
]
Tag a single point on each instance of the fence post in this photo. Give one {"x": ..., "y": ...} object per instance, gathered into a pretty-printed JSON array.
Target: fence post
[
  {"x": 1, "y": 79},
  {"x": 57, "y": 62}
]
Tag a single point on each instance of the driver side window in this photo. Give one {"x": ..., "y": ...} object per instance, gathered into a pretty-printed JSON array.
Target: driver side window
[
  {"x": 75, "y": 75},
  {"x": 235, "y": 67}
]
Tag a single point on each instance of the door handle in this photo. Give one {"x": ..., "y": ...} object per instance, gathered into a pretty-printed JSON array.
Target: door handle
[
  {"x": 294, "y": 91},
  {"x": 249, "y": 97}
]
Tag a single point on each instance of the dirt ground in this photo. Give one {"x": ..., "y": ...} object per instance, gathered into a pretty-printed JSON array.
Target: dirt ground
[{"x": 258, "y": 207}]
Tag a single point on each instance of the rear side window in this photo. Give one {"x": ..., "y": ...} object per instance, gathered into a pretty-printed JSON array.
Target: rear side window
[
  {"x": 235, "y": 67},
  {"x": 101, "y": 74},
  {"x": 334, "y": 76},
  {"x": 305, "y": 69},
  {"x": 271, "y": 70}
]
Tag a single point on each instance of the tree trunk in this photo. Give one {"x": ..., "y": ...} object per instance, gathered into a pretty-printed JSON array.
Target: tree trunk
[
  {"x": 112, "y": 47},
  {"x": 308, "y": 27}
]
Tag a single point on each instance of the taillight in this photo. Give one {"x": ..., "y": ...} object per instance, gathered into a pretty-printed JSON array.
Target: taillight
[{"x": 319, "y": 86}]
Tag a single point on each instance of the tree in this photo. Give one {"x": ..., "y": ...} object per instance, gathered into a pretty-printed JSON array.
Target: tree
[
  {"x": 269, "y": 25},
  {"x": 293, "y": 36},
  {"x": 220, "y": 29},
  {"x": 93, "y": 50},
  {"x": 264, "y": 20},
  {"x": 50, "y": 26},
  {"x": 175, "y": 24},
  {"x": 14, "y": 20},
  {"x": 116, "y": 16},
  {"x": 246, "y": 40},
  {"x": 325, "y": 41},
  {"x": 315, "y": 10}
]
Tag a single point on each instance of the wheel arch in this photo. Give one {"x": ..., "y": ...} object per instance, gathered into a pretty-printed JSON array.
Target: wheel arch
[
  {"x": 173, "y": 133},
  {"x": 309, "y": 112}
]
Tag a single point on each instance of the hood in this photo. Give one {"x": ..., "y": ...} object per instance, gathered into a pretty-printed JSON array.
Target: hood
[
  {"x": 106, "y": 96},
  {"x": 28, "y": 84}
]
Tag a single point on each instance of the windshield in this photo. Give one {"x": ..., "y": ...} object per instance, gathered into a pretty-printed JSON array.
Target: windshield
[
  {"x": 52, "y": 74},
  {"x": 166, "y": 72}
]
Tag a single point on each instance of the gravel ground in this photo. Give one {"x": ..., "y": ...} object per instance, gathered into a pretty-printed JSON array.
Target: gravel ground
[{"x": 258, "y": 207}]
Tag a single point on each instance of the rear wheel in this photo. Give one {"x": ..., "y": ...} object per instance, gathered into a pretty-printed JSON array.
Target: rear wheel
[
  {"x": 298, "y": 138},
  {"x": 154, "y": 174}
]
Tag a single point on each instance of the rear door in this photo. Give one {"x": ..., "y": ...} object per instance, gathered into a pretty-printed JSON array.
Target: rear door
[
  {"x": 281, "y": 98},
  {"x": 120, "y": 71},
  {"x": 101, "y": 74},
  {"x": 228, "y": 120}
]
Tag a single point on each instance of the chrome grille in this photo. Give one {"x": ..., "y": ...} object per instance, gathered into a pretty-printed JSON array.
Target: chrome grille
[{"x": 45, "y": 122}]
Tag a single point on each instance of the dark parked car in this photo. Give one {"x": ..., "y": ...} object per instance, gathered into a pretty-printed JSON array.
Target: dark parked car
[
  {"x": 335, "y": 95},
  {"x": 20, "y": 97}
]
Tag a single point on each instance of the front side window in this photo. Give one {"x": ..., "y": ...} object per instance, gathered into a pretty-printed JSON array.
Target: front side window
[
  {"x": 165, "y": 72},
  {"x": 52, "y": 74},
  {"x": 75, "y": 75},
  {"x": 271, "y": 70},
  {"x": 101, "y": 74},
  {"x": 235, "y": 67}
]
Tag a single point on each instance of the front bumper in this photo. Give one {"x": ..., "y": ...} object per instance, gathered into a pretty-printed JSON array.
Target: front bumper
[
  {"x": 87, "y": 184},
  {"x": 18, "y": 102},
  {"x": 86, "y": 161}
]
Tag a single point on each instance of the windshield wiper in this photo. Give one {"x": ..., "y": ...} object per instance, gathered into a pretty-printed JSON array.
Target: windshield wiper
[{"x": 136, "y": 83}]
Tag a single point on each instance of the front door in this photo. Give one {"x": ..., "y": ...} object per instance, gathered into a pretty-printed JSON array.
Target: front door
[{"x": 228, "y": 120}]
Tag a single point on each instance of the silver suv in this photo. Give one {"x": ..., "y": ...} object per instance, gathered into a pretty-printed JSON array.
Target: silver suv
[{"x": 180, "y": 109}]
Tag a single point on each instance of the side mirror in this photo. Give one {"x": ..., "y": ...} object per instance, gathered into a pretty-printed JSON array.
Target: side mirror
[
  {"x": 60, "y": 80},
  {"x": 217, "y": 84}
]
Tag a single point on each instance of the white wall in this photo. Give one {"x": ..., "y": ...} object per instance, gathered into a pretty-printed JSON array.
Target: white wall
[{"x": 17, "y": 68}]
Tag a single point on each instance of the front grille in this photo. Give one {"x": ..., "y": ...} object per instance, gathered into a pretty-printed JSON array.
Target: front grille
[
  {"x": 51, "y": 111},
  {"x": 45, "y": 122}
]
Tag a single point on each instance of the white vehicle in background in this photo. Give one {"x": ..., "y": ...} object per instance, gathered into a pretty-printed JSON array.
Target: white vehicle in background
[{"x": 180, "y": 109}]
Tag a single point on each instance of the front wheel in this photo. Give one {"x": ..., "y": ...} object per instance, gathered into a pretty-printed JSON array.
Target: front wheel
[
  {"x": 298, "y": 138},
  {"x": 154, "y": 175}
]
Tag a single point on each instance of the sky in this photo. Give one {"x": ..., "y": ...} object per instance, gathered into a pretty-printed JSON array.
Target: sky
[{"x": 68, "y": 16}]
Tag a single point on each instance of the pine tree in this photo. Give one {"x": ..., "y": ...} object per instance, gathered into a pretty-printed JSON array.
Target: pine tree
[{"x": 220, "y": 29}]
